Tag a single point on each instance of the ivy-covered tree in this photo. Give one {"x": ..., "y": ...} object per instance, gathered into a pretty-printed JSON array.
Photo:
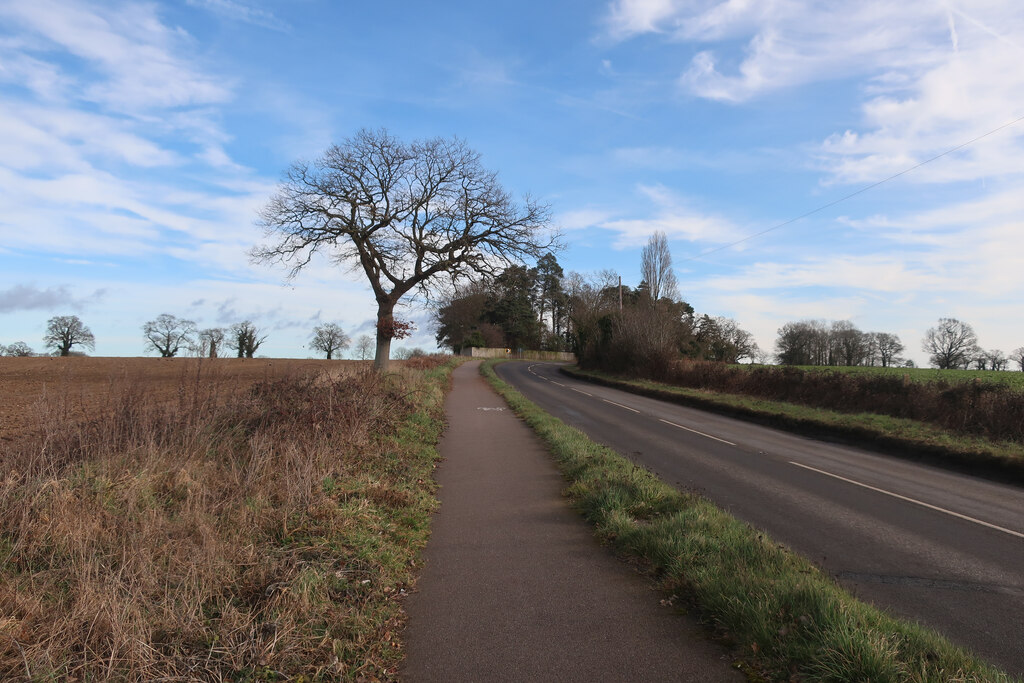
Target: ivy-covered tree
[{"x": 245, "y": 339}]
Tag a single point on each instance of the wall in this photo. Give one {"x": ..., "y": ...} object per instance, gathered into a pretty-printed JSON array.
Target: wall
[{"x": 561, "y": 356}]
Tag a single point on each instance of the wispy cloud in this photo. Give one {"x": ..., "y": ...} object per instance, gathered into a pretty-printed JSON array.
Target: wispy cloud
[
  {"x": 934, "y": 74},
  {"x": 672, "y": 215},
  {"x": 238, "y": 11},
  {"x": 133, "y": 54}
]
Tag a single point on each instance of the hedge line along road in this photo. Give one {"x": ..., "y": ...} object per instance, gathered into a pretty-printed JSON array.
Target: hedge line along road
[{"x": 942, "y": 548}]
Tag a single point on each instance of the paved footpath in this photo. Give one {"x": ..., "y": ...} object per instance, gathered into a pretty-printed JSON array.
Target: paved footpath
[{"x": 516, "y": 588}]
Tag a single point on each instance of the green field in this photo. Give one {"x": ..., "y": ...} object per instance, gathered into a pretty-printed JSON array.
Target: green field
[{"x": 1009, "y": 378}]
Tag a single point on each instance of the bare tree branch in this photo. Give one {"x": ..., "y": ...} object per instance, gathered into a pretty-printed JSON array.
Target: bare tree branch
[{"x": 409, "y": 215}]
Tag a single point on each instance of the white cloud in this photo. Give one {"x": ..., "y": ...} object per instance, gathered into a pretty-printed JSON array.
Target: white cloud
[
  {"x": 968, "y": 95},
  {"x": 631, "y": 17},
  {"x": 673, "y": 216},
  {"x": 135, "y": 53},
  {"x": 581, "y": 219},
  {"x": 240, "y": 12},
  {"x": 789, "y": 42},
  {"x": 935, "y": 74}
]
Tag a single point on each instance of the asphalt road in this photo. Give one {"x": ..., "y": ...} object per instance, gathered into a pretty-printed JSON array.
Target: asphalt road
[{"x": 939, "y": 547}]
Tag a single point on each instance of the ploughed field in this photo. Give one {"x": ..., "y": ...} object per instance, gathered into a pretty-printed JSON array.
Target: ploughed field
[{"x": 31, "y": 389}]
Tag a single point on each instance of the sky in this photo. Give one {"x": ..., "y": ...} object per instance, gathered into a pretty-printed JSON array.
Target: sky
[{"x": 138, "y": 141}]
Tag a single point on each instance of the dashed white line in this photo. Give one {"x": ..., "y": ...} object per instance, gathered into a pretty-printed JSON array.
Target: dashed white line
[
  {"x": 696, "y": 432},
  {"x": 621, "y": 406},
  {"x": 581, "y": 392},
  {"x": 911, "y": 500}
]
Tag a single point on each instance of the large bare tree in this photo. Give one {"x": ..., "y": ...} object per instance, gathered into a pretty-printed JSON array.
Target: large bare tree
[
  {"x": 329, "y": 338},
  {"x": 656, "y": 268},
  {"x": 65, "y": 331},
  {"x": 951, "y": 343},
  {"x": 411, "y": 216},
  {"x": 167, "y": 334}
]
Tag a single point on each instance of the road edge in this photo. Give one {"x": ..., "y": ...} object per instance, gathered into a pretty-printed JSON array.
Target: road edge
[
  {"x": 982, "y": 465},
  {"x": 783, "y": 614}
]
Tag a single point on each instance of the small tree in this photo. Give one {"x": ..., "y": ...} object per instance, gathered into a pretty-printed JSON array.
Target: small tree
[
  {"x": 19, "y": 349},
  {"x": 889, "y": 347},
  {"x": 167, "y": 334},
  {"x": 65, "y": 331},
  {"x": 1017, "y": 356},
  {"x": 364, "y": 347},
  {"x": 408, "y": 215},
  {"x": 951, "y": 343},
  {"x": 329, "y": 338},
  {"x": 245, "y": 338},
  {"x": 656, "y": 268}
]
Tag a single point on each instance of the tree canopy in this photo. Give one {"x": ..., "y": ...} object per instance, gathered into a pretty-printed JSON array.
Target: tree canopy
[
  {"x": 66, "y": 331},
  {"x": 411, "y": 216},
  {"x": 167, "y": 334},
  {"x": 951, "y": 343},
  {"x": 329, "y": 338}
]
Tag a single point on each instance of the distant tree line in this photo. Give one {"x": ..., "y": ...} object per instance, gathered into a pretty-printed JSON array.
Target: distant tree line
[
  {"x": 170, "y": 336},
  {"x": 951, "y": 344},
  {"x": 817, "y": 342},
  {"x": 605, "y": 323}
]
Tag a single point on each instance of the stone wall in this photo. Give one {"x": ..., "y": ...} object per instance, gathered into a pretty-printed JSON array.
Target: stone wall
[{"x": 558, "y": 356}]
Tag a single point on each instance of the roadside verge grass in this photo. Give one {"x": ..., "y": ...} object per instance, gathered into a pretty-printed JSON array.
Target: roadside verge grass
[
  {"x": 265, "y": 535},
  {"x": 784, "y": 617},
  {"x": 1003, "y": 461}
]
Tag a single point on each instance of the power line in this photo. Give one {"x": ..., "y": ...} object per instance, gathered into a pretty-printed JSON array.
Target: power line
[{"x": 852, "y": 194}]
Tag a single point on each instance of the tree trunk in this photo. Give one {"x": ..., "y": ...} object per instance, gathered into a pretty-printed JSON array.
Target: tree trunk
[{"x": 385, "y": 327}]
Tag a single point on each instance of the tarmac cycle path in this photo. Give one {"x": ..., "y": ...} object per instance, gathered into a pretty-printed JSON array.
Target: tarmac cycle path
[{"x": 516, "y": 588}]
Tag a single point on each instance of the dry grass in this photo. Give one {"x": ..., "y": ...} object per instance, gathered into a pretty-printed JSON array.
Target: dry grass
[{"x": 267, "y": 535}]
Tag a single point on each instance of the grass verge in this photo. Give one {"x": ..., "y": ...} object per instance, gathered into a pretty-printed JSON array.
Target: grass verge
[
  {"x": 785, "y": 618},
  {"x": 901, "y": 437},
  {"x": 264, "y": 535}
]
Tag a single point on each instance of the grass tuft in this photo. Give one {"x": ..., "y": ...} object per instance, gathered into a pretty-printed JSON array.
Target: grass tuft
[{"x": 784, "y": 617}]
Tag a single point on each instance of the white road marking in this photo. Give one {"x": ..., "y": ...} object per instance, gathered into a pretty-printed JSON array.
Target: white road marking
[
  {"x": 620, "y": 405},
  {"x": 912, "y": 500},
  {"x": 696, "y": 432},
  {"x": 581, "y": 392},
  {"x": 558, "y": 383}
]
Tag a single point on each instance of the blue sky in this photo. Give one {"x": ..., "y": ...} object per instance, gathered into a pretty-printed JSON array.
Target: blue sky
[{"x": 138, "y": 140}]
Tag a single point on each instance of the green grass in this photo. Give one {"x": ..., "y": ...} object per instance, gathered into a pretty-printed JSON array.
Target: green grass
[
  {"x": 906, "y": 438},
  {"x": 1009, "y": 378},
  {"x": 783, "y": 616}
]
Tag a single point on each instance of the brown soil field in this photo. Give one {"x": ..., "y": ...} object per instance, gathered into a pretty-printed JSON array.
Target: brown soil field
[{"x": 31, "y": 389}]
